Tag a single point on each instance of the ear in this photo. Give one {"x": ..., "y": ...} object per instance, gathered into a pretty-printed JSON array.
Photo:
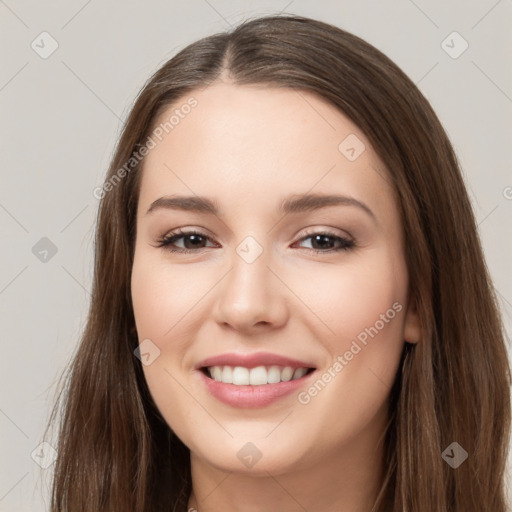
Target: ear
[{"x": 412, "y": 328}]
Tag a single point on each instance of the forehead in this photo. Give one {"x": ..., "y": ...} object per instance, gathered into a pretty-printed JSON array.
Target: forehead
[{"x": 245, "y": 143}]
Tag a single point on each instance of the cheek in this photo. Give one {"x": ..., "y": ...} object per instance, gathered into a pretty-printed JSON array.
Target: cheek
[
  {"x": 162, "y": 296},
  {"x": 352, "y": 298},
  {"x": 365, "y": 311}
]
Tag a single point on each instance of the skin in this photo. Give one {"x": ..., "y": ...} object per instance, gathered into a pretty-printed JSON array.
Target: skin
[{"x": 249, "y": 147}]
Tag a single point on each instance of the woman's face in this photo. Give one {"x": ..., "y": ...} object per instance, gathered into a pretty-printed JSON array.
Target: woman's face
[{"x": 266, "y": 177}]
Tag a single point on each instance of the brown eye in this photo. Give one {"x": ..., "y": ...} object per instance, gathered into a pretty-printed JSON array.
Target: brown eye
[
  {"x": 321, "y": 242},
  {"x": 193, "y": 241},
  {"x": 328, "y": 242}
]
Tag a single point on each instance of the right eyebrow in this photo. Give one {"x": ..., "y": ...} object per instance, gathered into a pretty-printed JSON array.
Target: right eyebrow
[{"x": 291, "y": 204}]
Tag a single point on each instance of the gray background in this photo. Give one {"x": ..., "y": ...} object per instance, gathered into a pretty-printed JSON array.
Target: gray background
[{"x": 61, "y": 116}]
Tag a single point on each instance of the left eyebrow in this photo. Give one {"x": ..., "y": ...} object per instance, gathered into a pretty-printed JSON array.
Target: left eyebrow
[
  {"x": 311, "y": 202},
  {"x": 290, "y": 205}
]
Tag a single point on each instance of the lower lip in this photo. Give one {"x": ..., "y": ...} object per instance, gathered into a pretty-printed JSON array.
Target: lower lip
[{"x": 252, "y": 396}]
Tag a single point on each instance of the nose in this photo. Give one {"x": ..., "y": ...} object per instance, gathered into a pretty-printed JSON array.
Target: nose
[{"x": 251, "y": 298}]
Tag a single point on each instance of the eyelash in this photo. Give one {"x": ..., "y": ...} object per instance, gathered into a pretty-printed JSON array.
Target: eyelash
[{"x": 167, "y": 240}]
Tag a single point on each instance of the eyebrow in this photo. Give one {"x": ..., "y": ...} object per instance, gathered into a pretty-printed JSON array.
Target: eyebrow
[{"x": 290, "y": 205}]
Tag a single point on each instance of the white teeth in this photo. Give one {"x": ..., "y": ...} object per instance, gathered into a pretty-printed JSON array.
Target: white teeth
[
  {"x": 287, "y": 373},
  {"x": 216, "y": 372},
  {"x": 274, "y": 375},
  {"x": 299, "y": 372},
  {"x": 227, "y": 375},
  {"x": 240, "y": 376},
  {"x": 258, "y": 376}
]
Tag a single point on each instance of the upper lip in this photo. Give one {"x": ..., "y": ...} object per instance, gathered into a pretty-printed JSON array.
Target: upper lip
[{"x": 252, "y": 360}]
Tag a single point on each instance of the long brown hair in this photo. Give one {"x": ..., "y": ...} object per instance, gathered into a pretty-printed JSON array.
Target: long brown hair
[{"x": 115, "y": 451}]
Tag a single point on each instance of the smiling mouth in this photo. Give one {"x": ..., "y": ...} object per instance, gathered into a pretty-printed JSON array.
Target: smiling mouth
[{"x": 258, "y": 376}]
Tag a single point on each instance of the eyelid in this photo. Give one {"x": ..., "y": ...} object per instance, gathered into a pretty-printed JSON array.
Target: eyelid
[
  {"x": 334, "y": 232},
  {"x": 167, "y": 240}
]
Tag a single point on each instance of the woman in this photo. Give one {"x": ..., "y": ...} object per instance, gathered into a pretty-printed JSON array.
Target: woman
[{"x": 290, "y": 308}]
